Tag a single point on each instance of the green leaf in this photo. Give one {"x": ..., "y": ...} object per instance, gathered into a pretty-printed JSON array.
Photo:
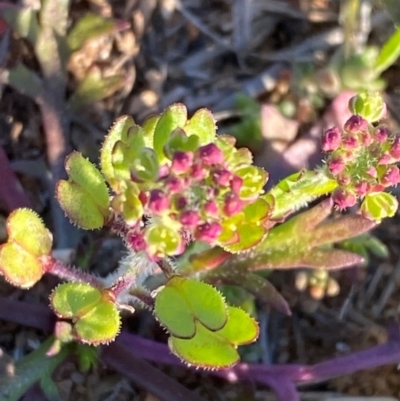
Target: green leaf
[
  {"x": 39, "y": 241},
  {"x": 88, "y": 27},
  {"x": 84, "y": 197},
  {"x": 389, "y": 54},
  {"x": 206, "y": 302},
  {"x": 180, "y": 141},
  {"x": 297, "y": 190},
  {"x": 19, "y": 267},
  {"x": 240, "y": 328},
  {"x": 93, "y": 311},
  {"x": 100, "y": 325},
  {"x": 217, "y": 349},
  {"x": 172, "y": 310},
  {"x": 20, "y": 257},
  {"x": 206, "y": 349},
  {"x": 377, "y": 247},
  {"x": 118, "y": 131},
  {"x": 149, "y": 126},
  {"x": 259, "y": 210},
  {"x": 74, "y": 299},
  {"x": 94, "y": 88},
  {"x": 198, "y": 301},
  {"x": 173, "y": 117},
  {"x": 145, "y": 166},
  {"x": 78, "y": 206},
  {"x": 23, "y": 80},
  {"x": 248, "y": 236},
  {"x": 202, "y": 124}
]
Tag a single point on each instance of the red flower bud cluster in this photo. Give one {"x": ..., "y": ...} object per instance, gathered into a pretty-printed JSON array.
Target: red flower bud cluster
[
  {"x": 195, "y": 193},
  {"x": 361, "y": 158}
]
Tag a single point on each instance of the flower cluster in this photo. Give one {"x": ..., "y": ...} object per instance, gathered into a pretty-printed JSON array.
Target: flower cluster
[
  {"x": 199, "y": 191},
  {"x": 361, "y": 158}
]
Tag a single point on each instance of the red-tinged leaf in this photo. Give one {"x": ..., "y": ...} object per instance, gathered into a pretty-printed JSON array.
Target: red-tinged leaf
[
  {"x": 207, "y": 260},
  {"x": 330, "y": 259},
  {"x": 340, "y": 229},
  {"x": 313, "y": 258},
  {"x": 310, "y": 218}
]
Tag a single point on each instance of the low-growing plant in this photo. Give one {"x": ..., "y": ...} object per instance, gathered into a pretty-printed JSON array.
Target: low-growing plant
[{"x": 172, "y": 182}]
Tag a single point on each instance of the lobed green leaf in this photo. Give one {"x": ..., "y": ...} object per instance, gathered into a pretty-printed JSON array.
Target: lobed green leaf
[
  {"x": 19, "y": 267},
  {"x": 172, "y": 310},
  {"x": 84, "y": 197},
  {"x": 202, "y": 124},
  {"x": 100, "y": 325},
  {"x": 173, "y": 117},
  {"x": 39, "y": 241},
  {"x": 74, "y": 299},
  {"x": 206, "y": 349}
]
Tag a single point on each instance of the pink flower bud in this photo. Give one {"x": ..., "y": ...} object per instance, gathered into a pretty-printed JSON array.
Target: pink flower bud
[
  {"x": 190, "y": 218},
  {"x": 232, "y": 204},
  {"x": 198, "y": 172},
  {"x": 372, "y": 172},
  {"x": 366, "y": 139},
  {"x": 210, "y": 154},
  {"x": 395, "y": 148},
  {"x": 356, "y": 124},
  {"x": 208, "y": 232},
  {"x": 361, "y": 188},
  {"x": 221, "y": 177},
  {"x": 181, "y": 162},
  {"x": 211, "y": 208},
  {"x": 381, "y": 134},
  {"x": 181, "y": 202},
  {"x": 331, "y": 139},
  {"x": 391, "y": 177},
  {"x": 236, "y": 184},
  {"x": 174, "y": 185},
  {"x": 350, "y": 142},
  {"x": 158, "y": 201},
  {"x": 343, "y": 199},
  {"x": 336, "y": 165},
  {"x": 385, "y": 160},
  {"x": 136, "y": 241},
  {"x": 163, "y": 171},
  {"x": 343, "y": 179}
]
